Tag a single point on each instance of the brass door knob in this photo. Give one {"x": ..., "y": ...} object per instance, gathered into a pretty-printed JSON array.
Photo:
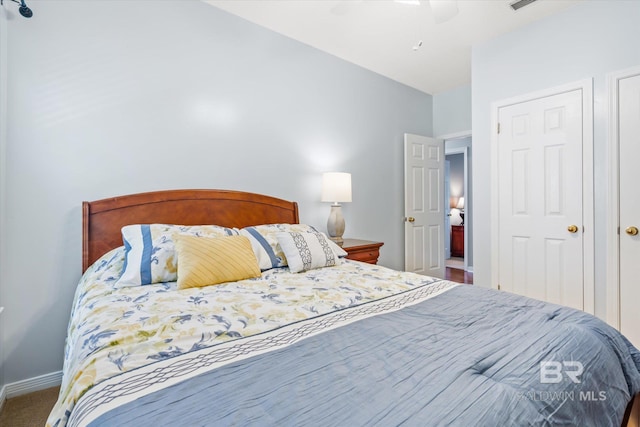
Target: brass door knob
[
  {"x": 572, "y": 229},
  {"x": 411, "y": 219},
  {"x": 631, "y": 231}
]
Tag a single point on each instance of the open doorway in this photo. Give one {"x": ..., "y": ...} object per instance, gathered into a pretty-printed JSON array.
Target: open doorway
[
  {"x": 459, "y": 200},
  {"x": 455, "y": 203}
]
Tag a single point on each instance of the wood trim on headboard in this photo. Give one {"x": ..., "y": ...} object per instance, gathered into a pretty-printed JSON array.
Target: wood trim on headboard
[{"x": 102, "y": 220}]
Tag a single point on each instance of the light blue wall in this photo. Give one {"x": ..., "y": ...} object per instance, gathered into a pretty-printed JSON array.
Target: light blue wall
[
  {"x": 588, "y": 40},
  {"x": 452, "y": 116},
  {"x": 109, "y": 98},
  {"x": 452, "y": 111}
]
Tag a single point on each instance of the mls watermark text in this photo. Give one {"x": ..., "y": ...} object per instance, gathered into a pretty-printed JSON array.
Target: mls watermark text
[
  {"x": 560, "y": 396},
  {"x": 555, "y": 372}
]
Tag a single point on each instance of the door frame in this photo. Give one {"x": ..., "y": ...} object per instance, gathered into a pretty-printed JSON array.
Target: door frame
[
  {"x": 586, "y": 86},
  {"x": 465, "y": 183},
  {"x": 447, "y": 216},
  {"x": 467, "y": 177},
  {"x": 4, "y": 31},
  {"x": 613, "y": 197}
]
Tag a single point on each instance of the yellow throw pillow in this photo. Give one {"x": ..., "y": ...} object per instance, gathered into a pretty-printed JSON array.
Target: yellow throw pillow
[{"x": 204, "y": 261}]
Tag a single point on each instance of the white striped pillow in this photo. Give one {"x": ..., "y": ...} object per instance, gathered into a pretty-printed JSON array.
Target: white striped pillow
[
  {"x": 267, "y": 249},
  {"x": 150, "y": 251},
  {"x": 307, "y": 250}
]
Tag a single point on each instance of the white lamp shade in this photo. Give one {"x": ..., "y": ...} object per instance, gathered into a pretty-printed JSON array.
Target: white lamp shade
[
  {"x": 460, "y": 204},
  {"x": 336, "y": 187}
]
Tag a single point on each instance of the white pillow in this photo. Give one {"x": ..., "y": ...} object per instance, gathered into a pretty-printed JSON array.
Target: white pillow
[
  {"x": 307, "y": 250},
  {"x": 150, "y": 255},
  {"x": 266, "y": 248},
  {"x": 337, "y": 249}
]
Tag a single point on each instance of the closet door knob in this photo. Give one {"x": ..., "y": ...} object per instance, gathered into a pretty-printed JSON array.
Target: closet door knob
[
  {"x": 572, "y": 229},
  {"x": 631, "y": 231},
  {"x": 411, "y": 219}
]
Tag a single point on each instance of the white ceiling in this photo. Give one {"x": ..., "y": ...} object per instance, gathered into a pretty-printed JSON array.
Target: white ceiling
[{"x": 379, "y": 35}]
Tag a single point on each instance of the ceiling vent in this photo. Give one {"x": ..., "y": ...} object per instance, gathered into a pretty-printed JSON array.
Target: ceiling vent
[{"x": 519, "y": 4}]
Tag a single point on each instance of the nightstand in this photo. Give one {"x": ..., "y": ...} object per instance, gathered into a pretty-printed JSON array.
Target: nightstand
[
  {"x": 457, "y": 240},
  {"x": 362, "y": 250}
]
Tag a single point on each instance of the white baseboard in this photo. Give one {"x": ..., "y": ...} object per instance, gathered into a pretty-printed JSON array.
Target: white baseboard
[
  {"x": 3, "y": 396},
  {"x": 30, "y": 385}
]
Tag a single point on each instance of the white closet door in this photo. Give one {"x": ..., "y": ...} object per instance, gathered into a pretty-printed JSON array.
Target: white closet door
[
  {"x": 629, "y": 158},
  {"x": 540, "y": 198}
]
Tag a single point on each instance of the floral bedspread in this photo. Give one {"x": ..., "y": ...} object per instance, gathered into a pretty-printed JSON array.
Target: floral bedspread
[{"x": 116, "y": 330}]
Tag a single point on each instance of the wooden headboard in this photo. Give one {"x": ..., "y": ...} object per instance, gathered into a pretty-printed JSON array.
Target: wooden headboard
[{"x": 103, "y": 219}]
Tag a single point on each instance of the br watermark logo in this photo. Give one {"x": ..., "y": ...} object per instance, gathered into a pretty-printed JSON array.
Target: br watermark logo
[
  {"x": 551, "y": 372},
  {"x": 555, "y": 372}
]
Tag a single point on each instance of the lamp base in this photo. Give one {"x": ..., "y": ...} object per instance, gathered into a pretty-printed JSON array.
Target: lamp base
[
  {"x": 335, "y": 224},
  {"x": 462, "y": 216},
  {"x": 337, "y": 240}
]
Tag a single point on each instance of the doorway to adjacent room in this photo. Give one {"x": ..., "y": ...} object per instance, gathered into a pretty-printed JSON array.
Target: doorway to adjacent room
[{"x": 458, "y": 242}]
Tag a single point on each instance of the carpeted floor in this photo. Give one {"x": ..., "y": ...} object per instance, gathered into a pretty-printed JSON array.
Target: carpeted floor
[{"x": 29, "y": 410}]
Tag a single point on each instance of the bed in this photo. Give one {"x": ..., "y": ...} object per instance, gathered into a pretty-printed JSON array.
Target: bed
[{"x": 343, "y": 343}]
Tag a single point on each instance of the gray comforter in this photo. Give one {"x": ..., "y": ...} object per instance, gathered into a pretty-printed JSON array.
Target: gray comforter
[{"x": 468, "y": 356}]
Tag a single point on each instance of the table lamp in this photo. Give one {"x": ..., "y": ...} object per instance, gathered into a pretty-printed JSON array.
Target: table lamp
[
  {"x": 460, "y": 206},
  {"x": 336, "y": 188}
]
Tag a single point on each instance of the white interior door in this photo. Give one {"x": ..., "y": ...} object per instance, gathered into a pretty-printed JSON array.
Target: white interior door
[
  {"x": 540, "y": 188},
  {"x": 629, "y": 202},
  {"x": 424, "y": 210}
]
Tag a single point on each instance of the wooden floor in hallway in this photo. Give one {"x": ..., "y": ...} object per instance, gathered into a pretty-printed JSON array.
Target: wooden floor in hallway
[{"x": 458, "y": 275}]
